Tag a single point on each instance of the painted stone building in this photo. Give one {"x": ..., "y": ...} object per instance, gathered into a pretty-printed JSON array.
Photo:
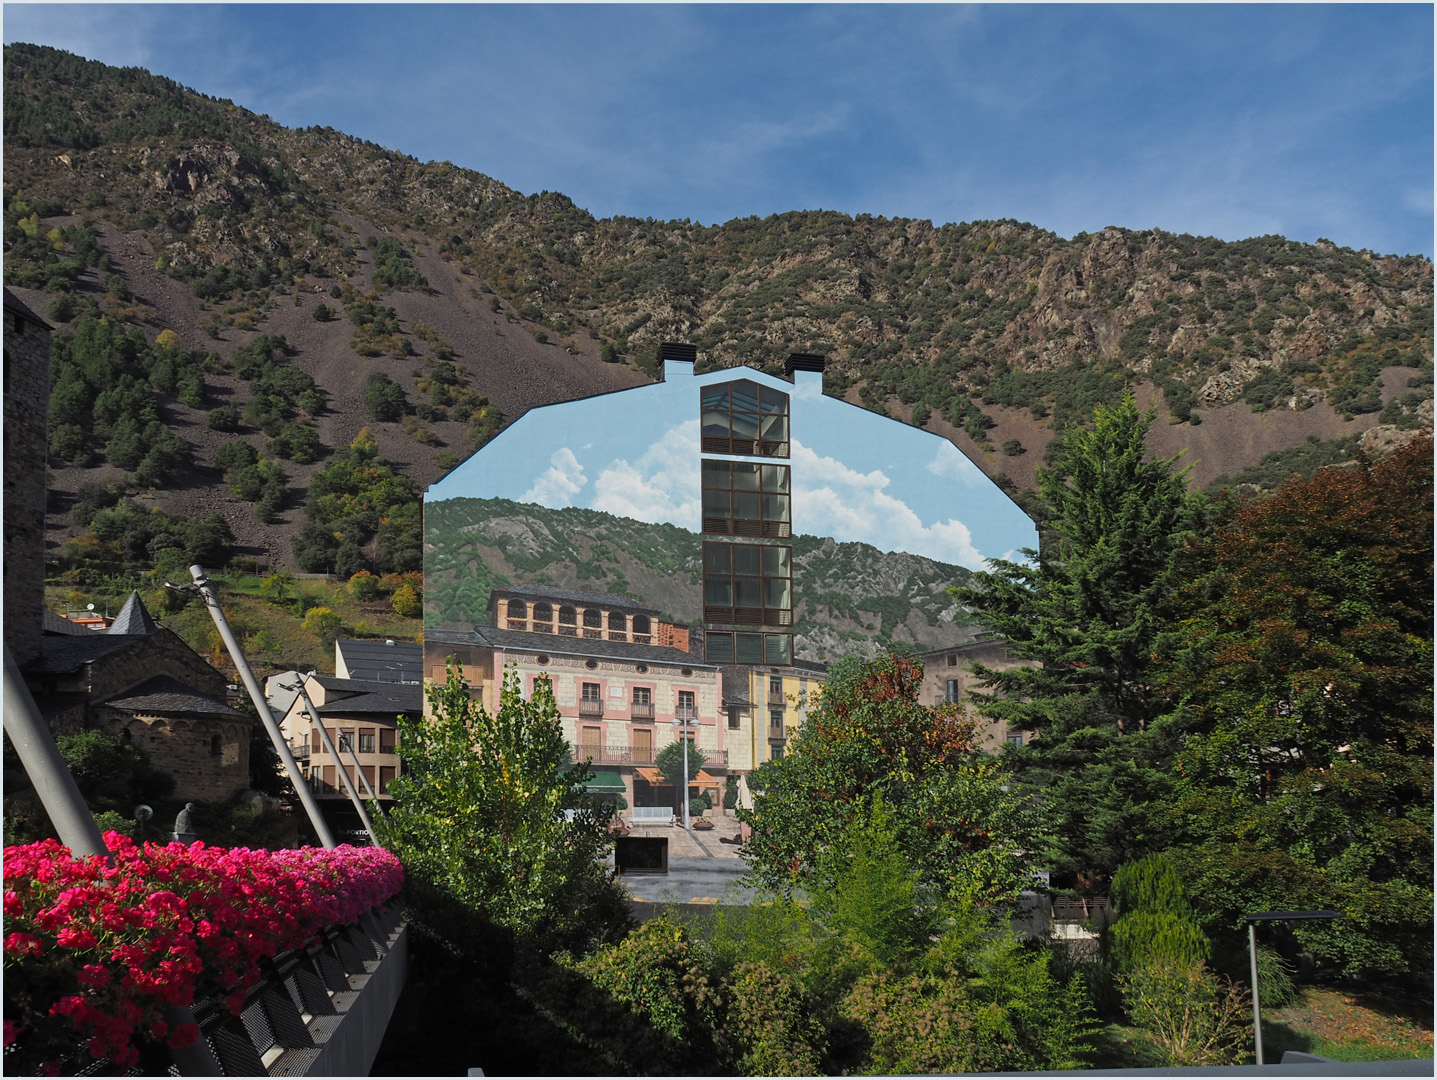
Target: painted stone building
[
  {"x": 946, "y": 678},
  {"x": 716, "y": 477},
  {"x": 621, "y": 698}
]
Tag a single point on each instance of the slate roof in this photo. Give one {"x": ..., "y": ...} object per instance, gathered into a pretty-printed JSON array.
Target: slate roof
[
  {"x": 361, "y": 696},
  {"x": 166, "y": 695},
  {"x": 376, "y": 661},
  {"x": 53, "y": 623},
  {"x": 567, "y": 646},
  {"x": 133, "y": 618},
  {"x": 62, "y": 655},
  {"x": 15, "y": 304},
  {"x": 574, "y": 596}
]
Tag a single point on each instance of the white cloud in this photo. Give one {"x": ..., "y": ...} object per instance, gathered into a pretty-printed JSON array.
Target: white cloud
[
  {"x": 557, "y": 487},
  {"x": 662, "y": 486},
  {"x": 830, "y": 499}
]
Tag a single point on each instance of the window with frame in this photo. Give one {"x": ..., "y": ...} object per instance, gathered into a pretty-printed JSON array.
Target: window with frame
[
  {"x": 518, "y": 615},
  {"x": 722, "y": 647},
  {"x": 742, "y": 417},
  {"x": 386, "y": 740},
  {"x": 1015, "y": 740},
  {"x": 642, "y": 631},
  {"x": 386, "y": 774},
  {"x": 686, "y": 709},
  {"x": 775, "y": 723},
  {"x": 366, "y": 740},
  {"x": 750, "y": 584},
  {"x": 745, "y": 498},
  {"x": 568, "y": 622},
  {"x": 543, "y": 618},
  {"x": 950, "y": 692},
  {"x": 346, "y": 740},
  {"x": 589, "y": 691}
]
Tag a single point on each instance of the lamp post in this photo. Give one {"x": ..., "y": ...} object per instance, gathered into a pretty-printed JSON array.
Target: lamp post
[{"x": 1252, "y": 921}]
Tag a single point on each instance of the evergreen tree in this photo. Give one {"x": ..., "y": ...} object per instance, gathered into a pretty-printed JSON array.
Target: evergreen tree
[{"x": 1087, "y": 609}]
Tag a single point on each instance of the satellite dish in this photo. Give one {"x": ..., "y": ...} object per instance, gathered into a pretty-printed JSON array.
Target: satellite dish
[
  {"x": 89, "y": 607},
  {"x": 143, "y": 812}
]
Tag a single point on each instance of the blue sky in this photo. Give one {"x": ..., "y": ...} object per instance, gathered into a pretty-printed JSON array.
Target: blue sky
[
  {"x": 856, "y": 476},
  {"x": 1229, "y": 121}
]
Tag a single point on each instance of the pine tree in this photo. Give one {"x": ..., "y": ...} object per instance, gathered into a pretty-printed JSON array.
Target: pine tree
[{"x": 1087, "y": 609}]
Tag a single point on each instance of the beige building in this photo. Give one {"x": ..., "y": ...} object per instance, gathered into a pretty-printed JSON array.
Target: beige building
[
  {"x": 620, "y": 700},
  {"x": 357, "y": 714},
  {"x": 946, "y": 677}
]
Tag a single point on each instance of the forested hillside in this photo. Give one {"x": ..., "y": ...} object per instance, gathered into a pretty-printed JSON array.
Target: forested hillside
[{"x": 285, "y": 288}]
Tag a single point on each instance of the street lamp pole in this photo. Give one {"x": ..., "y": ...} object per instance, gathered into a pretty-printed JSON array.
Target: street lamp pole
[{"x": 1252, "y": 921}]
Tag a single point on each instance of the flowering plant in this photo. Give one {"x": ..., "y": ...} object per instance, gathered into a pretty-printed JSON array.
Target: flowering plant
[{"x": 96, "y": 952}]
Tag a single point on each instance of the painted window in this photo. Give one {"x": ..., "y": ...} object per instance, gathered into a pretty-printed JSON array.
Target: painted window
[
  {"x": 742, "y": 417},
  {"x": 745, "y": 498},
  {"x": 750, "y": 584}
]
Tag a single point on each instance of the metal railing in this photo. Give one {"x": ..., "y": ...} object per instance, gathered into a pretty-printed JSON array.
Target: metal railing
[
  {"x": 653, "y": 815},
  {"x": 590, "y": 707}
]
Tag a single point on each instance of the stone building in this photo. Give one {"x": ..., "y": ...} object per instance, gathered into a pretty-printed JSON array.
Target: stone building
[
  {"x": 140, "y": 678},
  {"x": 27, "y": 409}
]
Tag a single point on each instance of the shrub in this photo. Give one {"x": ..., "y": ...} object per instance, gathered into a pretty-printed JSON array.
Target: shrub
[
  {"x": 1196, "y": 1019},
  {"x": 364, "y": 586},
  {"x": 323, "y": 623},
  {"x": 407, "y": 602}
]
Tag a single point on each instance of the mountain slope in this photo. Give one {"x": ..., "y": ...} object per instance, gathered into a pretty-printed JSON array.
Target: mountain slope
[{"x": 221, "y": 225}]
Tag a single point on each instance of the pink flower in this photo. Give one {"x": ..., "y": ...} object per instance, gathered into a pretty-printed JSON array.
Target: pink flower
[{"x": 21, "y": 944}]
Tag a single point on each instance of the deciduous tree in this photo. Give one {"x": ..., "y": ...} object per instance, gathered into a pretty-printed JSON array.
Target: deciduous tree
[{"x": 1304, "y": 668}]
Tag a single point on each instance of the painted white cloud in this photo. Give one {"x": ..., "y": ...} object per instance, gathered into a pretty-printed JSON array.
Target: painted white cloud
[
  {"x": 662, "y": 485},
  {"x": 830, "y": 499},
  {"x": 950, "y": 464},
  {"x": 557, "y": 487}
]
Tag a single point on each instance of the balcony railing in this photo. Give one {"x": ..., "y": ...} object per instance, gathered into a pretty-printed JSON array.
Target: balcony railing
[
  {"x": 642, "y": 710},
  {"x": 775, "y": 732},
  {"x": 775, "y": 697},
  {"x": 686, "y": 714},
  {"x": 636, "y": 755},
  {"x": 588, "y": 707}
]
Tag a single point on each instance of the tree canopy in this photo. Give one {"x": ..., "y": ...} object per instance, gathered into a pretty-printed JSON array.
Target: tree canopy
[
  {"x": 1087, "y": 609},
  {"x": 958, "y": 826}
]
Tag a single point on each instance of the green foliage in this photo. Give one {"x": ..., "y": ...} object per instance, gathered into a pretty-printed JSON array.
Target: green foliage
[
  {"x": 364, "y": 586},
  {"x": 1142, "y": 938},
  {"x": 1088, "y": 609},
  {"x": 479, "y": 817},
  {"x": 393, "y": 267},
  {"x": 1299, "y": 461},
  {"x": 670, "y": 763},
  {"x": 1150, "y": 884},
  {"x": 407, "y": 602},
  {"x": 360, "y": 515},
  {"x": 1192, "y": 1015},
  {"x": 127, "y": 538},
  {"x": 323, "y": 624},
  {"x": 870, "y": 736},
  {"x": 384, "y": 398},
  {"x": 1303, "y": 746}
]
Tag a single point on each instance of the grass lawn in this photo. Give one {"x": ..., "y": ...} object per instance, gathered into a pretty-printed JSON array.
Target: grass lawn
[
  {"x": 1343, "y": 1023},
  {"x": 1348, "y": 1024}
]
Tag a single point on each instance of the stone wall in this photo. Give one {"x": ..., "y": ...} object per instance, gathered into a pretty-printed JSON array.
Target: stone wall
[
  {"x": 207, "y": 756},
  {"x": 27, "y": 404}
]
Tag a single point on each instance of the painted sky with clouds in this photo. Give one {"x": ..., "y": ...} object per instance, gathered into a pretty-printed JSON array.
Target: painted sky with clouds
[
  {"x": 1225, "y": 120},
  {"x": 857, "y": 476}
]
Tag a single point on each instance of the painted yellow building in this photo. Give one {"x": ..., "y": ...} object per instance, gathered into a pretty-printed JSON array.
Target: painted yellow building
[{"x": 766, "y": 706}]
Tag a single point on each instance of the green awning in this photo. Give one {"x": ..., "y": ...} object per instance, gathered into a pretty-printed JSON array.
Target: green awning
[{"x": 606, "y": 782}]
